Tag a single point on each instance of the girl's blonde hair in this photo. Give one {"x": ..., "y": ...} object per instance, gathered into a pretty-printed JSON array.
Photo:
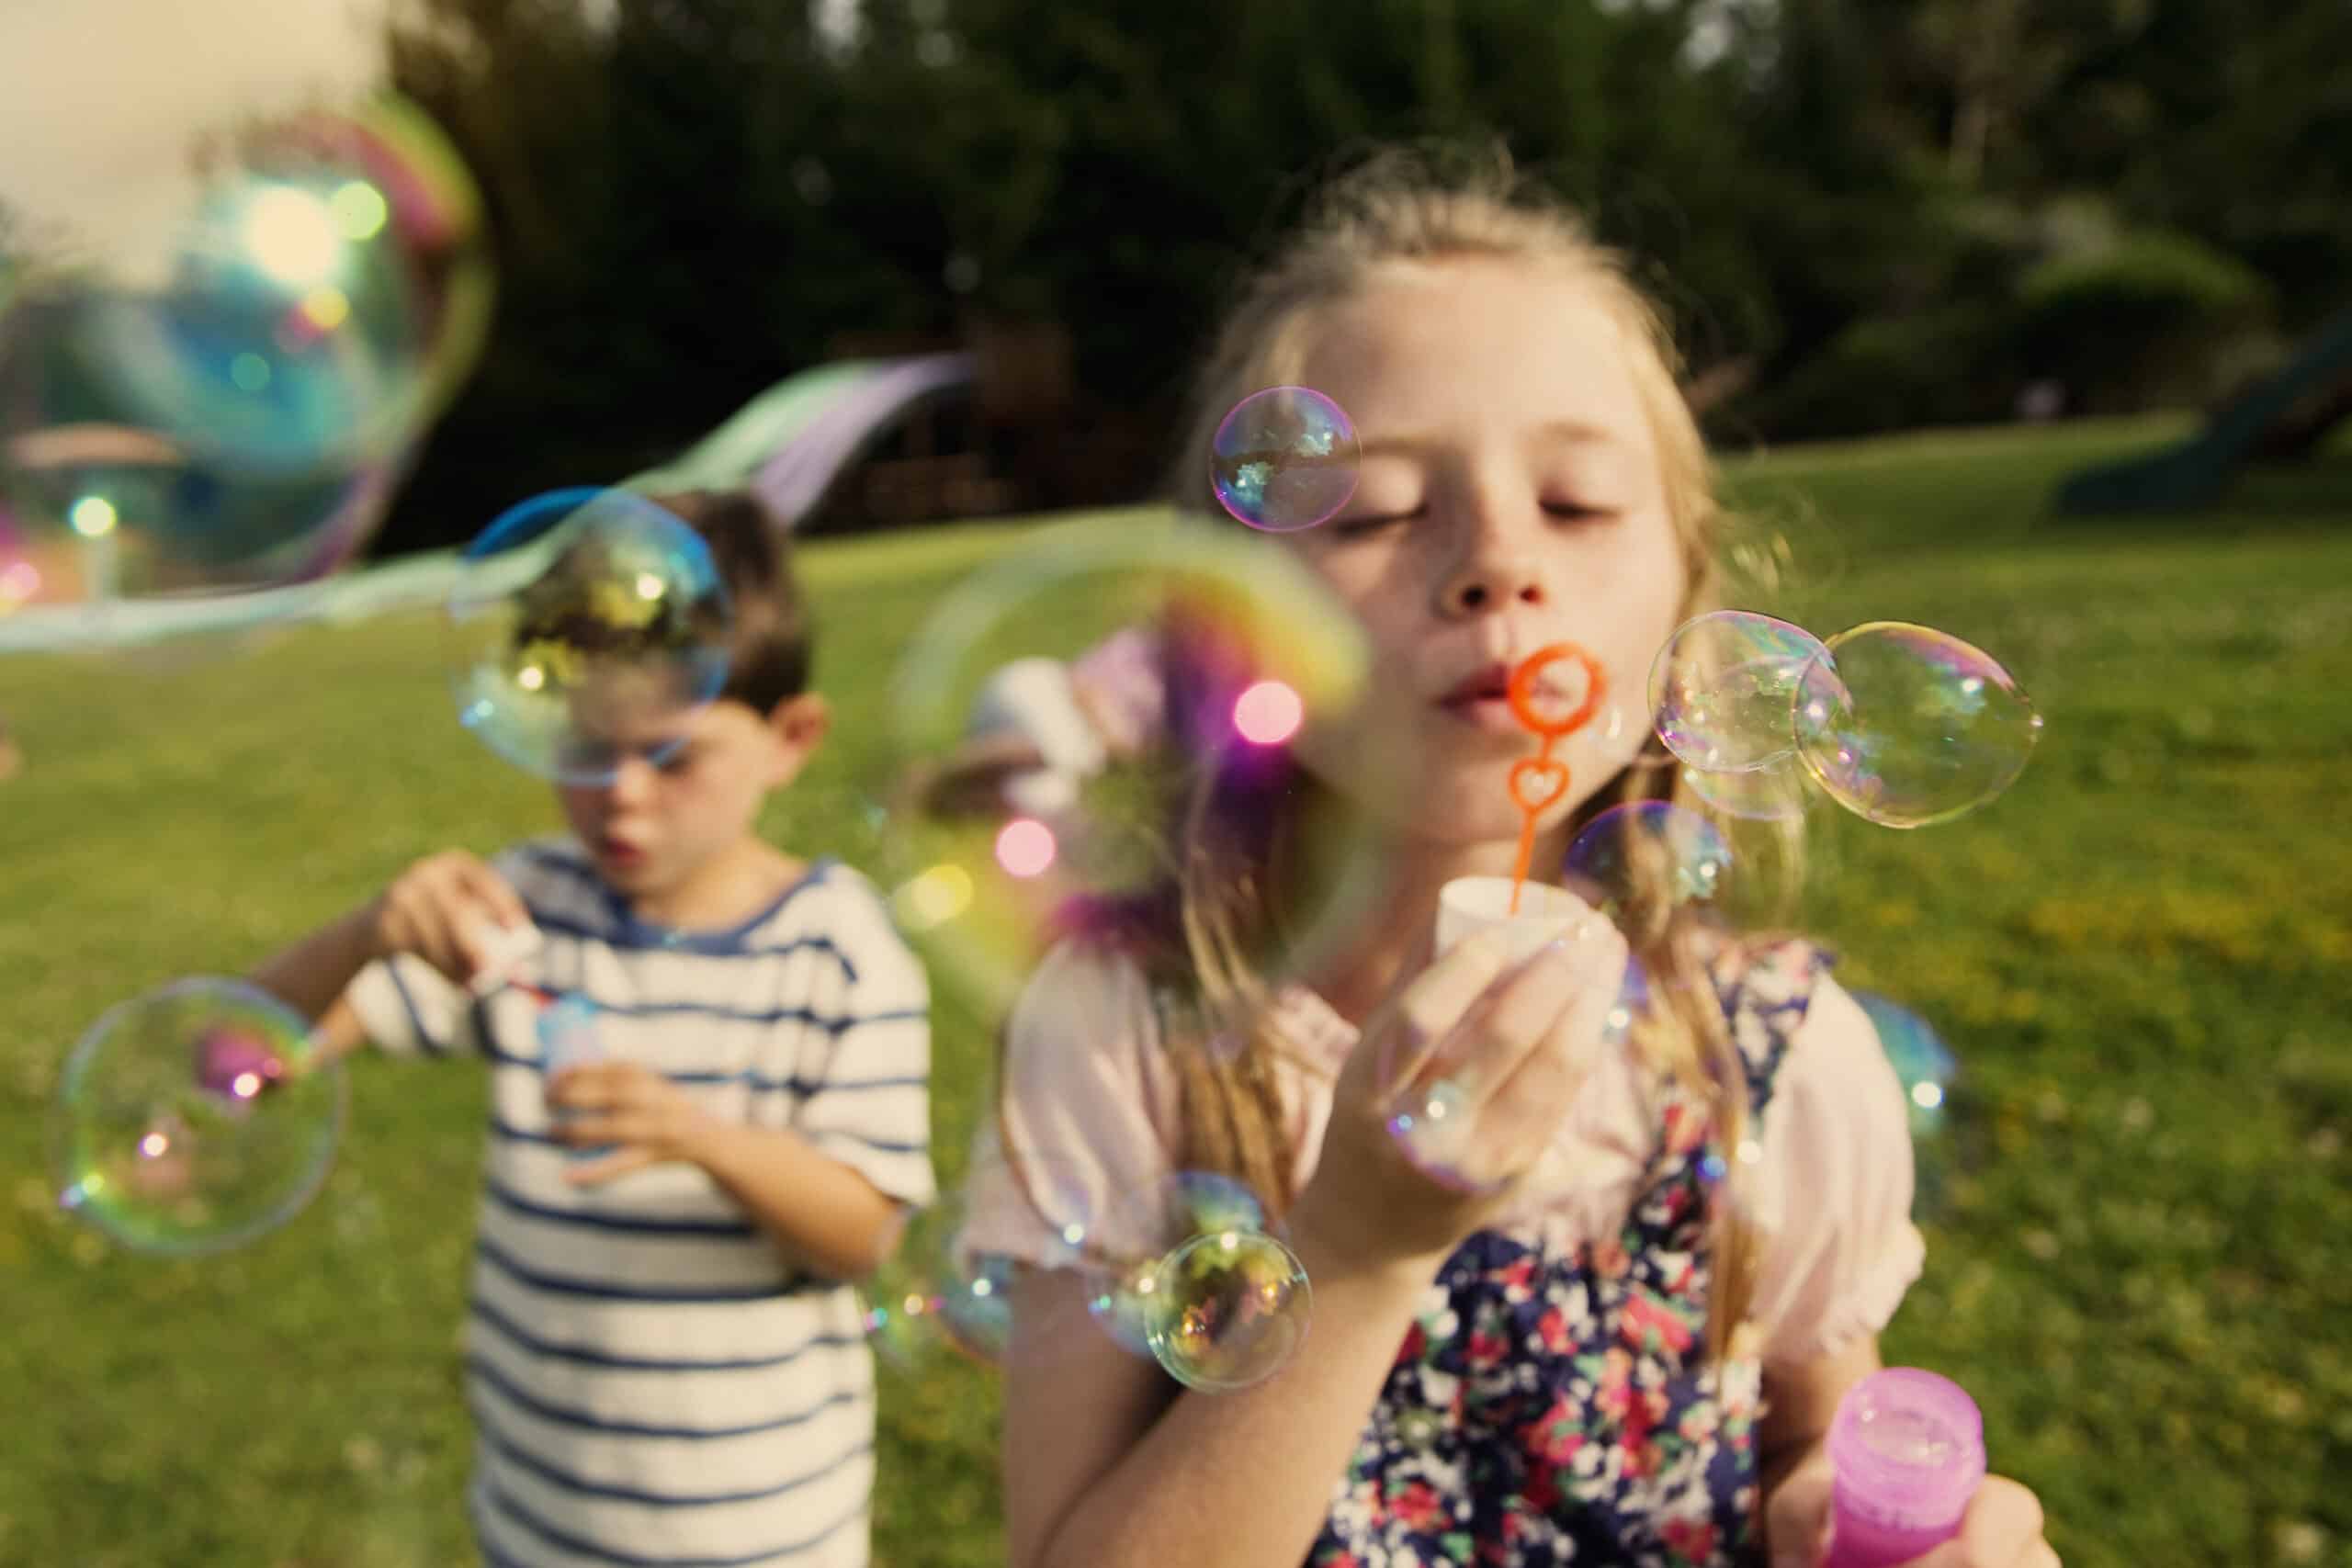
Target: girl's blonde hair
[{"x": 1399, "y": 211}]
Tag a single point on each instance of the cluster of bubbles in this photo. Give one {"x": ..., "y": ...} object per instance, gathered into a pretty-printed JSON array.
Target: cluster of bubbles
[
  {"x": 1186, "y": 1271},
  {"x": 1902, "y": 724},
  {"x": 1171, "y": 661},
  {"x": 585, "y": 627},
  {"x": 193, "y": 1118},
  {"x": 229, "y": 405}
]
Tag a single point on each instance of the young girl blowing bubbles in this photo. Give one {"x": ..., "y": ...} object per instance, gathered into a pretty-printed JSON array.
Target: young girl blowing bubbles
[{"x": 1630, "y": 1352}]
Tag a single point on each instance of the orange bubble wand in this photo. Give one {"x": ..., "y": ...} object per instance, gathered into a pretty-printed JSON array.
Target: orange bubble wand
[{"x": 1538, "y": 781}]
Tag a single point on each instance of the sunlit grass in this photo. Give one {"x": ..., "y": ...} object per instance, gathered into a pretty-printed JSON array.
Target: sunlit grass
[{"x": 2140, "y": 956}]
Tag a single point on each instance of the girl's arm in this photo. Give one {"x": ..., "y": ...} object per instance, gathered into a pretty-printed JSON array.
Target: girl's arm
[{"x": 1105, "y": 1466}]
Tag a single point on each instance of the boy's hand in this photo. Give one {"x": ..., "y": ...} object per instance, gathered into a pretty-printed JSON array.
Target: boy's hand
[
  {"x": 446, "y": 909},
  {"x": 2001, "y": 1530},
  {"x": 648, "y": 1119}
]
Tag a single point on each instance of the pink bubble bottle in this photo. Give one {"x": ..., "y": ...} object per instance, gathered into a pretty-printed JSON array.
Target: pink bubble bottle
[{"x": 1908, "y": 1448}]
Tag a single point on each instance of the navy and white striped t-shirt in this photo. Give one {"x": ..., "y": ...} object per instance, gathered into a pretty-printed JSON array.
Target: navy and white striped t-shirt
[{"x": 651, "y": 1382}]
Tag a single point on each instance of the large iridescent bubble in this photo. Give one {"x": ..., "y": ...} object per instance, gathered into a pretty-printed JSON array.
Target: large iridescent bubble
[
  {"x": 588, "y": 628},
  {"x": 1723, "y": 687},
  {"x": 1776, "y": 792},
  {"x": 1066, "y": 713},
  {"x": 1907, "y": 726},
  {"x": 194, "y": 1119},
  {"x": 226, "y": 401}
]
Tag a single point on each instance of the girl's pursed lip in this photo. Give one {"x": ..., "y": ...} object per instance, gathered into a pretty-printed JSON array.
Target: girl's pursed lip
[{"x": 1482, "y": 713}]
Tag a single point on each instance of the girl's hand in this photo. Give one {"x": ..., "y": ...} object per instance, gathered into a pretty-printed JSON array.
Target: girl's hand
[
  {"x": 1513, "y": 1042},
  {"x": 2001, "y": 1530},
  {"x": 444, "y": 910},
  {"x": 647, "y": 1119}
]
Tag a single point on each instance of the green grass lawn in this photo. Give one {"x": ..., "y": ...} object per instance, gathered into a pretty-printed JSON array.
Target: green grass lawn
[{"x": 2136, "y": 1254}]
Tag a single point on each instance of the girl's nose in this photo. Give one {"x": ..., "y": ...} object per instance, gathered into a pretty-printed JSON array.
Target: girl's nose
[{"x": 1487, "y": 583}]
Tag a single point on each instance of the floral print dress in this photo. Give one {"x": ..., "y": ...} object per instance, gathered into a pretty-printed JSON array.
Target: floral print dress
[{"x": 1553, "y": 1408}]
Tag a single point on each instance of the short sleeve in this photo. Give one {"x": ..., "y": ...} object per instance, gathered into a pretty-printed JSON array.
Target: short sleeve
[
  {"x": 1083, "y": 1119},
  {"x": 408, "y": 1008},
  {"x": 1834, "y": 1198},
  {"x": 870, "y": 1106}
]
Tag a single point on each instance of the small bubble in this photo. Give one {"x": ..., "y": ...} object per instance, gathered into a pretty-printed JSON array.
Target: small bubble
[{"x": 1284, "y": 458}]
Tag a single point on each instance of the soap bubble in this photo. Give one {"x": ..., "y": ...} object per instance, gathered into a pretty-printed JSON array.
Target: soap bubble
[
  {"x": 1123, "y": 1274},
  {"x": 194, "y": 1119},
  {"x": 1780, "y": 791},
  {"x": 1285, "y": 458},
  {"x": 1906, "y": 725},
  {"x": 1631, "y": 858},
  {"x": 1722, "y": 690},
  {"x": 1058, "y": 723},
  {"x": 1633, "y": 1002},
  {"x": 1430, "y": 1121},
  {"x": 279, "y": 340},
  {"x": 106, "y": 514},
  {"x": 417, "y": 188},
  {"x": 588, "y": 626},
  {"x": 224, "y": 400},
  {"x": 1233, "y": 1307},
  {"x": 1921, "y": 1060},
  {"x": 932, "y": 1295}
]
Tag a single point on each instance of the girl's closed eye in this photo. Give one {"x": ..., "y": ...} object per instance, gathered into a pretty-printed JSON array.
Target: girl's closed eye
[
  {"x": 1579, "y": 510},
  {"x": 1363, "y": 524}
]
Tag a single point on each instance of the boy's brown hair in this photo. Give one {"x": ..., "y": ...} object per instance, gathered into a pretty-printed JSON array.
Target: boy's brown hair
[{"x": 770, "y": 657}]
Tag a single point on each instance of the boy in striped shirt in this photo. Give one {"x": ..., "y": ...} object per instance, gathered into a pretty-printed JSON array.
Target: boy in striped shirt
[{"x": 664, "y": 1361}]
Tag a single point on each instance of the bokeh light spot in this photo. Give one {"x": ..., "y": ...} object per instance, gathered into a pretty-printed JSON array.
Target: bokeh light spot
[
  {"x": 291, "y": 236},
  {"x": 326, "y": 307},
  {"x": 94, "y": 517},
  {"x": 359, "y": 209},
  {"x": 1024, "y": 846},
  {"x": 1268, "y": 714}
]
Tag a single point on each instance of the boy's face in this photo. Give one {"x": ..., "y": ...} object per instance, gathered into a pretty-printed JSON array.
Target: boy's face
[{"x": 684, "y": 788}]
